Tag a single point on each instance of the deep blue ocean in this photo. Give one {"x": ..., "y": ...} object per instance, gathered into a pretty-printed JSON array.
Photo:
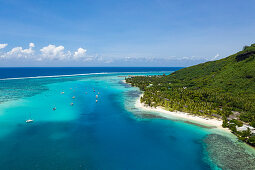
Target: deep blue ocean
[
  {"x": 108, "y": 134},
  {"x": 14, "y": 72}
]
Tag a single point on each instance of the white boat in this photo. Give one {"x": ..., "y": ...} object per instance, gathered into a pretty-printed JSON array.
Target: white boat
[
  {"x": 73, "y": 97},
  {"x": 71, "y": 104},
  {"x": 96, "y": 96},
  {"x": 29, "y": 121},
  {"x": 96, "y": 101}
]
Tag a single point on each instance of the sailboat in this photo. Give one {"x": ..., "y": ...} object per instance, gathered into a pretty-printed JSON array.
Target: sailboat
[{"x": 29, "y": 120}]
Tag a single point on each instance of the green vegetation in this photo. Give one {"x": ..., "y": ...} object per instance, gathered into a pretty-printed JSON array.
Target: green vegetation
[{"x": 224, "y": 89}]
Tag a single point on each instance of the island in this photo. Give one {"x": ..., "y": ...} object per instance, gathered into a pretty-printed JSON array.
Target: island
[{"x": 222, "y": 89}]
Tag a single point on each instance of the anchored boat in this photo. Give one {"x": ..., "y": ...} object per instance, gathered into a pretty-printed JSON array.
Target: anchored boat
[{"x": 29, "y": 120}]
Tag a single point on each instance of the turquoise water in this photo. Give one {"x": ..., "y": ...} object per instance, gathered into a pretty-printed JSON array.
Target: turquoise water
[{"x": 109, "y": 134}]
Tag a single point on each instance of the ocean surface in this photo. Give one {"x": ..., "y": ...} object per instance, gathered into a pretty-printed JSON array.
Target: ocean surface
[{"x": 108, "y": 134}]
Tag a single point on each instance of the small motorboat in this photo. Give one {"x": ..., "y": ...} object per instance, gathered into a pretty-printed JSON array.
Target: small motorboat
[
  {"x": 96, "y": 101},
  {"x": 96, "y": 96},
  {"x": 54, "y": 108},
  {"x": 29, "y": 121},
  {"x": 62, "y": 92},
  {"x": 73, "y": 97},
  {"x": 71, "y": 104}
]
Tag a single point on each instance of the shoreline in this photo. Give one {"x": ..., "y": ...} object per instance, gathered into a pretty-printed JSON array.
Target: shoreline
[{"x": 211, "y": 123}]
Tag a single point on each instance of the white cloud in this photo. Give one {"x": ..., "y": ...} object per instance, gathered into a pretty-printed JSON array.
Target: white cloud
[
  {"x": 214, "y": 58},
  {"x": 89, "y": 59},
  {"x": 53, "y": 52},
  {"x": 50, "y": 52},
  {"x": 127, "y": 58},
  {"x": 109, "y": 61},
  {"x": 190, "y": 58},
  {"x": 3, "y": 46},
  {"x": 19, "y": 52},
  {"x": 31, "y": 45},
  {"x": 79, "y": 53}
]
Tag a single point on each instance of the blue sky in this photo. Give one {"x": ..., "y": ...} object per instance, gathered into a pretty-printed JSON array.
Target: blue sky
[{"x": 122, "y": 32}]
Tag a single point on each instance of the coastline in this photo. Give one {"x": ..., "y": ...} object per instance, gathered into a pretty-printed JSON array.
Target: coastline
[{"x": 210, "y": 123}]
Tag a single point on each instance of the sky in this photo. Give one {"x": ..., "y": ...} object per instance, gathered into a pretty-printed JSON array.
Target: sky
[{"x": 128, "y": 33}]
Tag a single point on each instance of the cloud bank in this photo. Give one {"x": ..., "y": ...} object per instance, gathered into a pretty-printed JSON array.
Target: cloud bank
[
  {"x": 3, "y": 46},
  {"x": 48, "y": 53},
  {"x": 19, "y": 52},
  {"x": 52, "y": 52},
  {"x": 80, "y": 53},
  {"x": 58, "y": 55}
]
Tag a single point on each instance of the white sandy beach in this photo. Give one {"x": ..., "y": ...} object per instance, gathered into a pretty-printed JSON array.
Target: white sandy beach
[{"x": 210, "y": 122}]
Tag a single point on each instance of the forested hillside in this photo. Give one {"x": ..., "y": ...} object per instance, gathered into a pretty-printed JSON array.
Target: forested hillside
[{"x": 224, "y": 88}]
